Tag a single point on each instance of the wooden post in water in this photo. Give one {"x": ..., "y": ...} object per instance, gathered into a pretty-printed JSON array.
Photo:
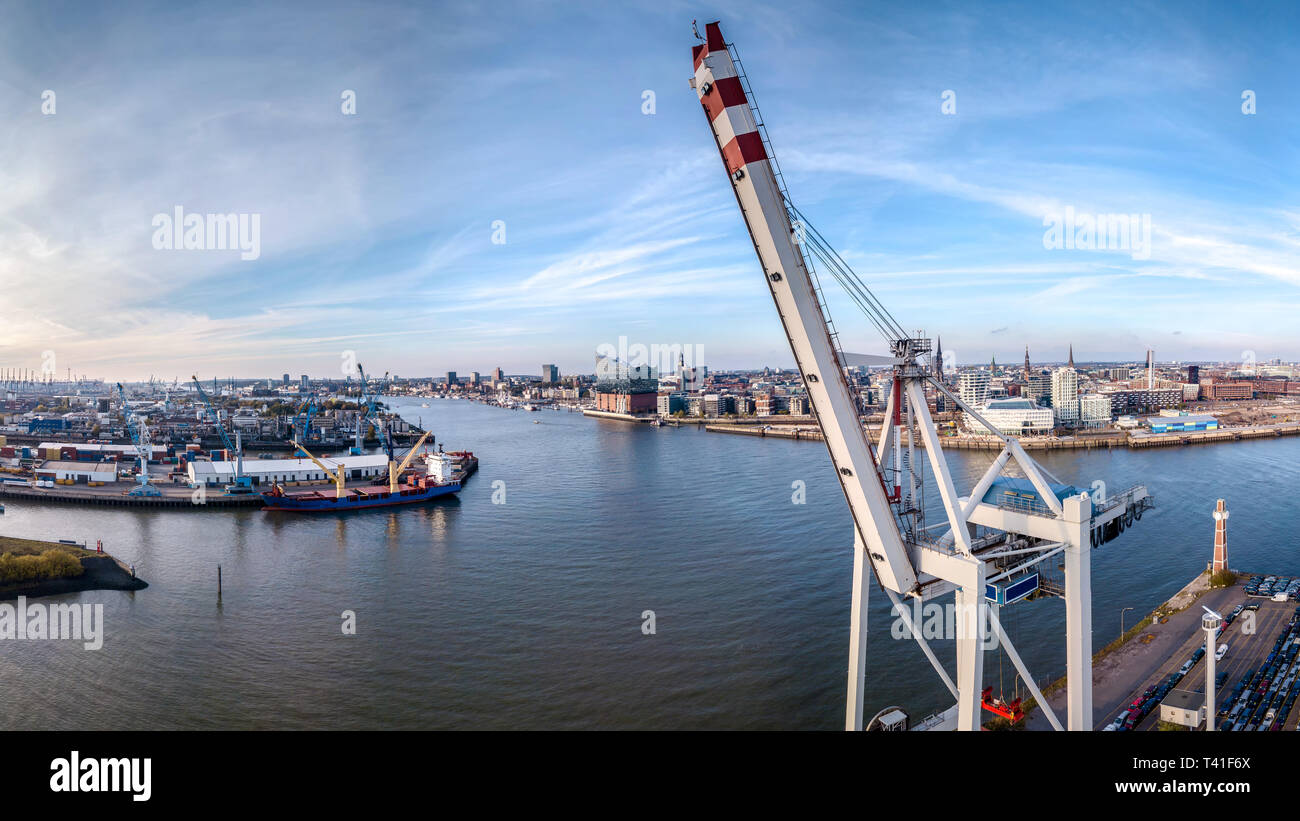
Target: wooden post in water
[{"x": 218, "y": 582}]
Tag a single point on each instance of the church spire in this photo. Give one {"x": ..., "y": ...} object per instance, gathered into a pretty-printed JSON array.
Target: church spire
[
  {"x": 1027, "y": 362},
  {"x": 1071, "y": 365}
]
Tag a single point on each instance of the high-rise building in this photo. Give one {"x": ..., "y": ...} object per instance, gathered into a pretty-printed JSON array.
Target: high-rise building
[
  {"x": 1094, "y": 410},
  {"x": 303, "y": 381},
  {"x": 550, "y": 374},
  {"x": 286, "y": 380},
  {"x": 475, "y": 378},
  {"x": 1065, "y": 394},
  {"x": 973, "y": 387},
  {"x": 1193, "y": 374},
  {"x": 451, "y": 379}
]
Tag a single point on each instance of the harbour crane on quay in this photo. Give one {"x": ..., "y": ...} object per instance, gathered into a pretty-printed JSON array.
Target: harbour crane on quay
[
  {"x": 139, "y": 432},
  {"x": 995, "y": 544},
  {"x": 242, "y": 485}
]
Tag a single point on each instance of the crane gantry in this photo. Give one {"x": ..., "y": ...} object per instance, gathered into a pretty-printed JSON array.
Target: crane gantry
[{"x": 992, "y": 539}]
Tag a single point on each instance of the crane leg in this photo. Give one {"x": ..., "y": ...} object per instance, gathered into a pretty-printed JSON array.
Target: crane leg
[
  {"x": 1078, "y": 613},
  {"x": 858, "y": 636},
  {"x": 969, "y": 601}
]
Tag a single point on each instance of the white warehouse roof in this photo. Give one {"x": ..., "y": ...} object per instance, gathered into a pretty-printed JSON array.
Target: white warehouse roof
[{"x": 275, "y": 467}]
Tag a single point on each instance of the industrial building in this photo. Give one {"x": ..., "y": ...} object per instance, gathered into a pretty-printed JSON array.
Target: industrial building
[
  {"x": 63, "y": 471},
  {"x": 1183, "y": 707},
  {"x": 1179, "y": 424},
  {"x": 270, "y": 471}
]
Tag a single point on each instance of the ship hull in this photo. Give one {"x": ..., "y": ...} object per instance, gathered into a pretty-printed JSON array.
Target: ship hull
[{"x": 356, "y": 499}]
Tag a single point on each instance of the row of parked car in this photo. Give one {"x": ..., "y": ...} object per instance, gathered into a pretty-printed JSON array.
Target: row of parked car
[
  {"x": 1282, "y": 588},
  {"x": 1262, "y": 699},
  {"x": 1150, "y": 699}
]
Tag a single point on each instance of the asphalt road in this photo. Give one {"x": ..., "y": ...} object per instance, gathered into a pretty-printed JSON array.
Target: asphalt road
[{"x": 1244, "y": 652}]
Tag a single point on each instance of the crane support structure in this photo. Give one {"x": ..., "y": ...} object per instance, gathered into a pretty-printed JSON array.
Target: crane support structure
[{"x": 988, "y": 550}]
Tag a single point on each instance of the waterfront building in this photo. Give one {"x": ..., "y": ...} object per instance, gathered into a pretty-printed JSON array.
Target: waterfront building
[
  {"x": 973, "y": 387},
  {"x": 630, "y": 396},
  {"x": 1014, "y": 417},
  {"x": 1065, "y": 394},
  {"x": 265, "y": 472},
  {"x": 1038, "y": 387},
  {"x": 1094, "y": 410},
  {"x": 452, "y": 381},
  {"x": 1180, "y": 424},
  {"x": 550, "y": 374}
]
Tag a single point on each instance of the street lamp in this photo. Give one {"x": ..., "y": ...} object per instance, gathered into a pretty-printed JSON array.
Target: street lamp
[
  {"x": 1210, "y": 622},
  {"x": 1121, "y": 621}
]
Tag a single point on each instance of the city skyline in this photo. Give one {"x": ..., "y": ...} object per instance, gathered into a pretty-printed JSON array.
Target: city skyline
[{"x": 379, "y": 229}]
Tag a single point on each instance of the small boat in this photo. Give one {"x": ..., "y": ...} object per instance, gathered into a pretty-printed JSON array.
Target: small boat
[
  {"x": 424, "y": 404},
  {"x": 537, "y": 421}
]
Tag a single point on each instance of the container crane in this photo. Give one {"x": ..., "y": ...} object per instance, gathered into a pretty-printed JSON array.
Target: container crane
[
  {"x": 991, "y": 542},
  {"x": 139, "y": 432},
  {"x": 302, "y": 420},
  {"x": 242, "y": 485},
  {"x": 366, "y": 408}
]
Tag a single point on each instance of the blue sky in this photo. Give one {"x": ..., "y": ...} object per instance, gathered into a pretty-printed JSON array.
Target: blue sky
[{"x": 376, "y": 228}]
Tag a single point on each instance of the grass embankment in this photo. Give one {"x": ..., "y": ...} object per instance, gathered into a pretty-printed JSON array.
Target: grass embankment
[{"x": 25, "y": 560}]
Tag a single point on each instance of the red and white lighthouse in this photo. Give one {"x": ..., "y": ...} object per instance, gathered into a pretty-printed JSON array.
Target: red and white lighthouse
[{"x": 1220, "y": 538}]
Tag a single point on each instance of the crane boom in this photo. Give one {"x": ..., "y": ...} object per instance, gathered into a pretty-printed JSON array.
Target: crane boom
[
  {"x": 338, "y": 476},
  {"x": 763, "y": 205}
]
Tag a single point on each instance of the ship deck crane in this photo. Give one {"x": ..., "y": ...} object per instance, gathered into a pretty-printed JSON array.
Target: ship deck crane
[
  {"x": 242, "y": 485},
  {"x": 884, "y": 484},
  {"x": 337, "y": 475},
  {"x": 394, "y": 469},
  {"x": 140, "y": 437}
]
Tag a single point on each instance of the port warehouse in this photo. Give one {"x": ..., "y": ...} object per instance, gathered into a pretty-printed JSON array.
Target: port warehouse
[
  {"x": 287, "y": 471},
  {"x": 1177, "y": 424},
  {"x": 94, "y": 463}
]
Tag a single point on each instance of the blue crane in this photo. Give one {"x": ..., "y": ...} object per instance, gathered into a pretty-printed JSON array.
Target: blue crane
[
  {"x": 366, "y": 408},
  {"x": 140, "y": 437},
  {"x": 242, "y": 484},
  {"x": 302, "y": 420}
]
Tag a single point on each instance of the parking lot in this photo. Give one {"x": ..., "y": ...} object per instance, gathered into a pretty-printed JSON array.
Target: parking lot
[{"x": 1257, "y": 692}]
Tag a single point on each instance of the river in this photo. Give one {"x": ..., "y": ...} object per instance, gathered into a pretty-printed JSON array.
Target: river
[{"x": 526, "y": 610}]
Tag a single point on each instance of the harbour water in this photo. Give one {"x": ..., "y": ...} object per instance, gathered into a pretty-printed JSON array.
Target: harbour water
[{"x": 528, "y": 614}]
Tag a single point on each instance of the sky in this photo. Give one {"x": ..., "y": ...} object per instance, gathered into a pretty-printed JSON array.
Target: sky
[{"x": 505, "y": 195}]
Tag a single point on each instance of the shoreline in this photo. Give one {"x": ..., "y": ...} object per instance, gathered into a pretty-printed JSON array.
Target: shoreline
[{"x": 100, "y": 571}]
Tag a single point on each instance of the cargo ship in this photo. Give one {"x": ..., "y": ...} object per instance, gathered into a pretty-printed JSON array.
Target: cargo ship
[
  {"x": 439, "y": 479},
  {"x": 357, "y": 498}
]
